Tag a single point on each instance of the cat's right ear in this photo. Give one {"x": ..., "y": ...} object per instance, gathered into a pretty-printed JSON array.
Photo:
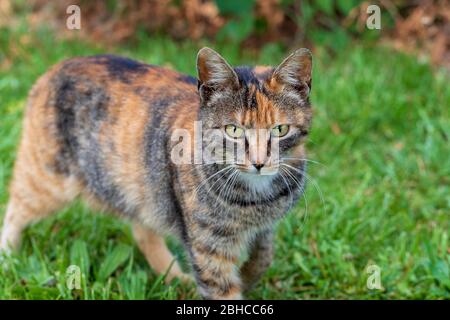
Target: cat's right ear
[
  {"x": 295, "y": 72},
  {"x": 213, "y": 71}
]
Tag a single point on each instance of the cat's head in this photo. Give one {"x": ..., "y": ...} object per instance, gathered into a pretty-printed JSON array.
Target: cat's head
[{"x": 257, "y": 109}]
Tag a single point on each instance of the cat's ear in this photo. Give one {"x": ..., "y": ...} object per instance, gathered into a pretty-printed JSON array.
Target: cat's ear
[
  {"x": 213, "y": 71},
  {"x": 294, "y": 71}
]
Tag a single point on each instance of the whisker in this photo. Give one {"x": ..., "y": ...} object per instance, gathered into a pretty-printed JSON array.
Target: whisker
[
  {"x": 310, "y": 179},
  {"x": 229, "y": 190},
  {"x": 225, "y": 186},
  {"x": 302, "y": 159},
  {"x": 218, "y": 179},
  {"x": 287, "y": 185},
  {"x": 224, "y": 171},
  {"x": 302, "y": 188}
]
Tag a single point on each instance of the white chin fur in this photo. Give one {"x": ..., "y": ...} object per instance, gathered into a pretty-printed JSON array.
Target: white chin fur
[{"x": 259, "y": 183}]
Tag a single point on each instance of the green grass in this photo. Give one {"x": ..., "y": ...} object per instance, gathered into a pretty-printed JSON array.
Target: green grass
[{"x": 381, "y": 131}]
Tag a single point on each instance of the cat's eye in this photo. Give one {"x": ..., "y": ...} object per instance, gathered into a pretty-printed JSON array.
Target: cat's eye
[
  {"x": 280, "y": 130},
  {"x": 234, "y": 131}
]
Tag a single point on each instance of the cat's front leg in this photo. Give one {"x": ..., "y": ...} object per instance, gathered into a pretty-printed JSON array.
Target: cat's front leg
[
  {"x": 260, "y": 258},
  {"x": 214, "y": 262}
]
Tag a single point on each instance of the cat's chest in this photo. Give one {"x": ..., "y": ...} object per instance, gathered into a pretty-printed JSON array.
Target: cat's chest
[{"x": 253, "y": 213}]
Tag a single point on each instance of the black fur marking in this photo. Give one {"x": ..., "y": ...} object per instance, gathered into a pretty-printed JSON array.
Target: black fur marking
[
  {"x": 246, "y": 76},
  {"x": 223, "y": 231},
  {"x": 178, "y": 212},
  {"x": 253, "y": 103},
  {"x": 159, "y": 167},
  {"x": 217, "y": 229},
  {"x": 291, "y": 141},
  {"x": 122, "y": 68},
  {"x": 100, "y": 183},
  {"x": 242, "y": 201},
  {"x": 205, "y": 92},
  {"x": 188, "y": 79},
  {"x": 65, "y": 123},
  {"x": 80, "y": 112},
  {"x": 73, "y": 109}
]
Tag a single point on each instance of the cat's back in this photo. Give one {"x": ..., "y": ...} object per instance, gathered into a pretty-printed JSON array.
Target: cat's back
[
  {"x": 88, "y": 100},
  {"x": 115, "y": 79},
  {"x": 107, "y": 119}
]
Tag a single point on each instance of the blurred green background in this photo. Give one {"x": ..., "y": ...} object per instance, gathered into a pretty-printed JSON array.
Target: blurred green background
[{"x": 381, "y": 99}]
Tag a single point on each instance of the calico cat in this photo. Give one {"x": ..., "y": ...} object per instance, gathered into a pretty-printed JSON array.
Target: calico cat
[{"x": 101, "y": 128}]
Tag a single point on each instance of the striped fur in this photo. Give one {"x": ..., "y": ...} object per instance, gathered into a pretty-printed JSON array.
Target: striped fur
[{"x": 100, "y": 128}]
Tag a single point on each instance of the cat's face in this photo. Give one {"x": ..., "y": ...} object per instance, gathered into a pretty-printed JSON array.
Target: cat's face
[{"x": 262, "y": 112}]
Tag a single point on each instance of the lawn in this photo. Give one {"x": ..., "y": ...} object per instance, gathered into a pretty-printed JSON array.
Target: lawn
[{"x": 381, "y": 193}]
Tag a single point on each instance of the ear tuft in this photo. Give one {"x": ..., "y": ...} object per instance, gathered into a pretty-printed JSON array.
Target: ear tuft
[
  {"x": 213, "y": 70},
  {"x": 295, "y": 70}
]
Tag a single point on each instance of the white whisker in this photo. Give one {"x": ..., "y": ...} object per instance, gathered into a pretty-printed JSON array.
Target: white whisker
[
  {"x": 310, "y": 179},
  {"x": 302, "y": 159},
  {"x": 302, "y": 191},
  {"x": 224, "y": 171},
  {"x": 225, "y": 186}
]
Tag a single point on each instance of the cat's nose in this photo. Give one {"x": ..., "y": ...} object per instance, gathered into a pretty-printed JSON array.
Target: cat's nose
[{"x": 258, "y": 166}]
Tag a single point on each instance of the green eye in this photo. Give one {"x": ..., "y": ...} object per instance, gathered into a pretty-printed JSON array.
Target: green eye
[
  {"x": 234, "y": 131},
  {"x": 280, "y": 130}
]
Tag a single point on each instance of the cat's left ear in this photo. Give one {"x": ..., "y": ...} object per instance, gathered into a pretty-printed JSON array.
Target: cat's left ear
[
  {"x": 294, "y": 71},
  {"x": 213, "y": 71}
]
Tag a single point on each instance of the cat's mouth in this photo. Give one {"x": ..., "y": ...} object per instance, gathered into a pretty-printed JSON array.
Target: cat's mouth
[
  {"x": 253, "y": 170},
  {"x": 258, "y": 180}
]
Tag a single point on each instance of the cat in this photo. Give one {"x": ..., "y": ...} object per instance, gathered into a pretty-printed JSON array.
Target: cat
[{"x": 101, "y": 128}]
